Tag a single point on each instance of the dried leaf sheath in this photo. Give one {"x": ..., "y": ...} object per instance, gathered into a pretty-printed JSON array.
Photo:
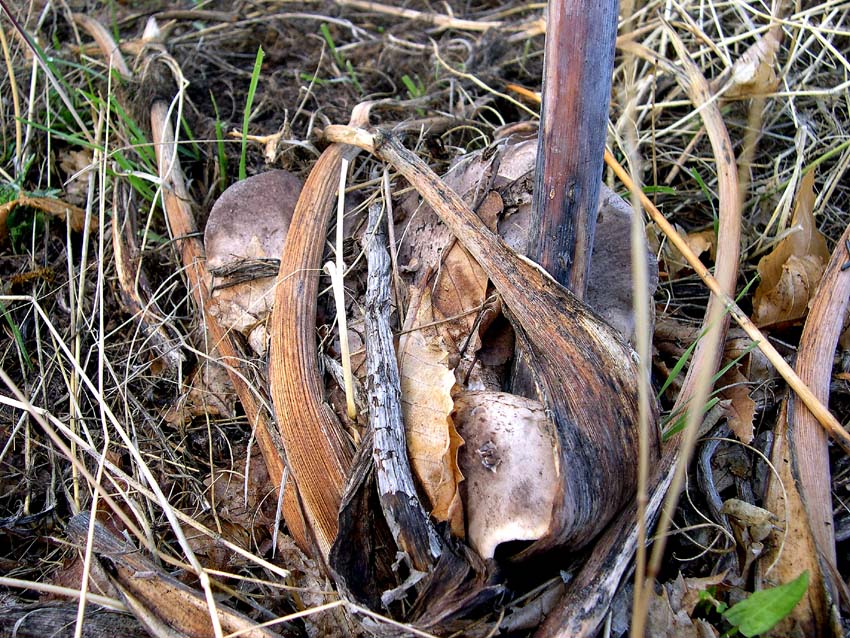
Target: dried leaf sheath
[
  {"x": 585, "y": 372},
  {"x": 317, "y": 450}
]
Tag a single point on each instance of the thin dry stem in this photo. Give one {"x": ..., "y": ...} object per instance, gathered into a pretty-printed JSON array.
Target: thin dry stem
[{"x": 817, "y": 408}]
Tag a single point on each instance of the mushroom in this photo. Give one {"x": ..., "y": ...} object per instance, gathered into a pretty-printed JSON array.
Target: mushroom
[{"x": 243, "y": 239}]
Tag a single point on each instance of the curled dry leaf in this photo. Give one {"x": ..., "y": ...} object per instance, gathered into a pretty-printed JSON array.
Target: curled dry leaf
[
  {"x": 311, "y": 588},
  {"x": 426, "y": 389},
  {"x": 754, "y": 73},
  {"x": 209, "y": 393},
  {"x": 212, "y": 554},
  {"x": 609, "y": 286},
  {"x": 674, "y": 262},
  {"x": 669, "y": 613},
  {"x": 791, "y": 544},
  {"x": 74, "y": 163},
  {"x": 51, "y": 206},
  {"x": 791, "y": 272},
  {"x": 439, "y": 344},
  {"x": 245, "y": 231},
  {"x": 740, "y": 408},
  {"x": 248, "y": 502}
]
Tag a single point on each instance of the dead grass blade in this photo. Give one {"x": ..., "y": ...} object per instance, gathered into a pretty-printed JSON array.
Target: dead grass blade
[{"x": 439, "y": 20}]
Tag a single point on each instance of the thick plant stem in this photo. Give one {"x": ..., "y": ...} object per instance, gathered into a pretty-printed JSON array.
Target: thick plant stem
[{"x": 578, "y": 64}]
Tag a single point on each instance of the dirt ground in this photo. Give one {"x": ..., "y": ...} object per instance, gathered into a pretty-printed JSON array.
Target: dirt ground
[{"x": 109, "y": 404}]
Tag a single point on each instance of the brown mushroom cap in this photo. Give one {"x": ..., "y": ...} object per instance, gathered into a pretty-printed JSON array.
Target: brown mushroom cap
[
  {"x": 248, "y": 223},
  {"x": 250, "y": 219}
]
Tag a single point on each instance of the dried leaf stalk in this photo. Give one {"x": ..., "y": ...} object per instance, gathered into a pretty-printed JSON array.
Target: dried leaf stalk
[
  {"x": 181, "y": 222},
  {"x": 182, "y": 225},
  {"x": 578, "y": 64},
  {"x": 817, "y": 347},
  {"x": 318, "y": 452},
  {"x": 164, "y": 605}
]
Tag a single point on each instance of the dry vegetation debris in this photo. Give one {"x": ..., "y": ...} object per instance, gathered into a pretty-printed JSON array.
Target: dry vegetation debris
[{"x": 125, "y": 398}]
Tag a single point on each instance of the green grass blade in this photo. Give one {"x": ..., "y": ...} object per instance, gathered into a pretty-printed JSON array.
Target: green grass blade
[
  {"x": 219, "y": 145},
  {"x": 19, "y": 338},
  {"x": 252, "y": 89},
  {"x": 326, "y": 34}
]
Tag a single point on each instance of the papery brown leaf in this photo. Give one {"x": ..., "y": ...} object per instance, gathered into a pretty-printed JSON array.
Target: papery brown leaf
[
  {"x": 754, "y": 73},
  {"x": 215, "y": 555},
  {"x": 740, "y": 408},
  {"x": 687, "y": 592},
  {"x": 228, "y": 489},
  {"x": 441, "y": 331},
  {"x": 702, "y": 241},
  {"x": 73, "y": 163},
  {"x": 675, "y": 262},
  {"x": 70, "y": 575},
  {"x": 50, "y": 205},
  {"x": 426, "y": 390},
  {"x": 791, "y": 272},
  {"x": 209, "y": 393},
  {"x": 667, "y": 619},
  {"x": 314, "y": 589}
]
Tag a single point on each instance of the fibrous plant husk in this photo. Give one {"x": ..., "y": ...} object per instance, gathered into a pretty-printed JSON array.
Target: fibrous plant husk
[{"x": 563, "y": 337}]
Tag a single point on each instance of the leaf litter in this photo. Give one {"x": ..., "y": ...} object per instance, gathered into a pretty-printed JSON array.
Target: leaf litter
[{"x": 460, "y": 328}]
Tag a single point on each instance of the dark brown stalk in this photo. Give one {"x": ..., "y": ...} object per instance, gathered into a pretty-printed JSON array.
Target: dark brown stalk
[
  {"x": 585, "y": 372},
  {"x": 589, "y": 595},
  {"x": 407, "y": 520},
  {"x": 578, "y": 65}
]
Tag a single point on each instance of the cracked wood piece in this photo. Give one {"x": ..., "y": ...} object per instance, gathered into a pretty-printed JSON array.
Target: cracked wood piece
[{"x": 408, "y": 521}]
